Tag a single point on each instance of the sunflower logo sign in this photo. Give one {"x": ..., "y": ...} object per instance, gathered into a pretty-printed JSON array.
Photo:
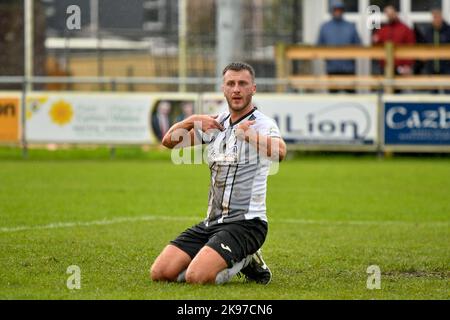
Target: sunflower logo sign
[
  {"x": 61, "y": 112},
  {"x": 89, "y": 118},
  {"x": 51, "y": 118},
  {"x": 34, "y": 104}
]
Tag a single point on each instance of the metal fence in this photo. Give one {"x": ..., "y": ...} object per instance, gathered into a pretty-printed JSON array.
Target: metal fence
[
  {"x": 122, "y": 50},
  {"x": 116, "y": 45}
]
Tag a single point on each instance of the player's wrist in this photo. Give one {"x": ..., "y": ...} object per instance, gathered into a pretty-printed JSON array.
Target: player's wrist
[{"x": 190, "y": 121}]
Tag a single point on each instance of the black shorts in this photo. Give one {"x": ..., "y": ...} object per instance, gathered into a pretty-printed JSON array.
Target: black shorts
[{"x": 233, "y": 240}]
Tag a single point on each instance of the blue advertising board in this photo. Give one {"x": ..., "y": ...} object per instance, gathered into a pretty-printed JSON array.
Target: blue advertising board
[{"x": 413, "y": 123}]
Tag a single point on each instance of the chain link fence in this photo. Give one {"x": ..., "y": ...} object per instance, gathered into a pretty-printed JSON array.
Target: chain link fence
[{"x": 139, "y": 38}]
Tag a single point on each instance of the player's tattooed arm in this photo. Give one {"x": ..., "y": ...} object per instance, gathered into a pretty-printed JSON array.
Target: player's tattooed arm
[
  {"x": 182, "y": 134},
  {"x": 272, "y": 147}
]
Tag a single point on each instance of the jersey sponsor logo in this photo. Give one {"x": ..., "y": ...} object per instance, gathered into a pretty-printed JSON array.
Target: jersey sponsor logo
[
  {"x": 224, "y": 247},
  {"x": 274, "y": 132}
]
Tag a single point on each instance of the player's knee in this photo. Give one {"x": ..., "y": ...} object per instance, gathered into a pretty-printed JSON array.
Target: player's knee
[
  {"x": 163, "y": 273},
  {"x": 156, "y": 274},
  {"x": 196, "y": 276},
  {"x": 192, "y": 276},
  {"x": 159, "y": 274}
]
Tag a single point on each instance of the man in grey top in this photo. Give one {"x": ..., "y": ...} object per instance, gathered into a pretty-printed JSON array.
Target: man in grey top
[{"x": 241, "y": 144}]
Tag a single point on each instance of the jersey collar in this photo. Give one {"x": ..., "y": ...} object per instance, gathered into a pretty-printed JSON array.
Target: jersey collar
[{"x": 232, "y": 124}]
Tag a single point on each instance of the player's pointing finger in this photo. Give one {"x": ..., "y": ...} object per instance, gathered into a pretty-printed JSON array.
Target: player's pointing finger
[{"x": 218, "y": 126}]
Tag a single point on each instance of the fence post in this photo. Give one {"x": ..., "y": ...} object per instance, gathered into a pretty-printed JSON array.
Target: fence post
[
  {"x": 280, "y": 62},
  {"x": 112, "y": 147},
  {"x": 389, "y": 67},
  {"x": 380, "y": 121},
  {"x": 23, "y": 117}
]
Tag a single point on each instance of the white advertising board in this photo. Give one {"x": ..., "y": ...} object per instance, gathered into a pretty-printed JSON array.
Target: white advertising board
[
  {"x": 315, "y": 119},
  {"x": 116, "y": 118}
]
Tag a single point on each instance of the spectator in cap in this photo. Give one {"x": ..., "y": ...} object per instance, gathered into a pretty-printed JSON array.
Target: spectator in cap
[{"x": 338, "y": 32}]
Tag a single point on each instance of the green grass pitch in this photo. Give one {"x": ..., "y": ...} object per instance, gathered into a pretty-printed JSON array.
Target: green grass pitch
[{"x": 329, "y": 219}]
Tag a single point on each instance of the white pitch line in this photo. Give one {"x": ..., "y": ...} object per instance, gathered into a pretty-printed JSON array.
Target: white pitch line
[
  {"x": 58, "y": 225},
  {"x": 363, "y": 222}
]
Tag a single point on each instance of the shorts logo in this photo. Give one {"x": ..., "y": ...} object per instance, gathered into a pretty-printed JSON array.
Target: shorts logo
[{"x": 224, "y": 247}]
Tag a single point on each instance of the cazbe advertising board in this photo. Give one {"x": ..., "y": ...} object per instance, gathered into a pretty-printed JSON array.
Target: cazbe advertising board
[
  {"x": 417, "y": 121},
  {"x": 316, "y": 119}
]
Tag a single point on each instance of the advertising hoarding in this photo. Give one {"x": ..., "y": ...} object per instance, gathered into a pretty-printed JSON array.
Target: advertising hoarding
[
  {"x": 417, "y": 121},
  {"x": 9, "y": 118},
  {"x": 315, "y": 119},
  {"x": 102, "y": 117}
]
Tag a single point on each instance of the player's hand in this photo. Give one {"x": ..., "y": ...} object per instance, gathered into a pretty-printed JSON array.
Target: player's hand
[
  {"x": 208, "y": 122},
  {"x": 244, "y": 130}
]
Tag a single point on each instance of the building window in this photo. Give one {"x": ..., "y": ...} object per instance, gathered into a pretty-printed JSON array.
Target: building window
[
  {"x": 350, "y": 5},
  {"x": 425, "y": 5},
  {"x": 384, "y": 3},
  {"x": 154, "y": 14}
]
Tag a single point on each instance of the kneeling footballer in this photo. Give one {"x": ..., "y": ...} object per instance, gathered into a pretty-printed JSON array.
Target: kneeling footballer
[{"x": 241, "y": 145}]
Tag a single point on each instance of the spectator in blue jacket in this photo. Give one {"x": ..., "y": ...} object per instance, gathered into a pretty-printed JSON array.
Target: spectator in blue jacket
[{"x": 338, "y": 32}]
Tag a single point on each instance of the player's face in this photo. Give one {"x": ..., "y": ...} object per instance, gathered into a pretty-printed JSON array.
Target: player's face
[{"x": 238, "y": 88}]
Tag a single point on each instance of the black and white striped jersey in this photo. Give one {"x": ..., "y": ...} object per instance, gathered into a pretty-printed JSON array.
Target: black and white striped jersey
[{"x": 238, "y": 174}]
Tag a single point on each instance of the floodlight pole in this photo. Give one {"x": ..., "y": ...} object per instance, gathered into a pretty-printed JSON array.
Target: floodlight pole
[
  {"x": 94, "y": 17},
  {"x": 182, "y": 44},
  {"x": 229, "y": 35},
  {"x": 28, "y": 43},
  {"x": 27, "y": 84}
]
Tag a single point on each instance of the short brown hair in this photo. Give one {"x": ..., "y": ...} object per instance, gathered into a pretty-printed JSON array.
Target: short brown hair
[{"x": 239, "y": 66}]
